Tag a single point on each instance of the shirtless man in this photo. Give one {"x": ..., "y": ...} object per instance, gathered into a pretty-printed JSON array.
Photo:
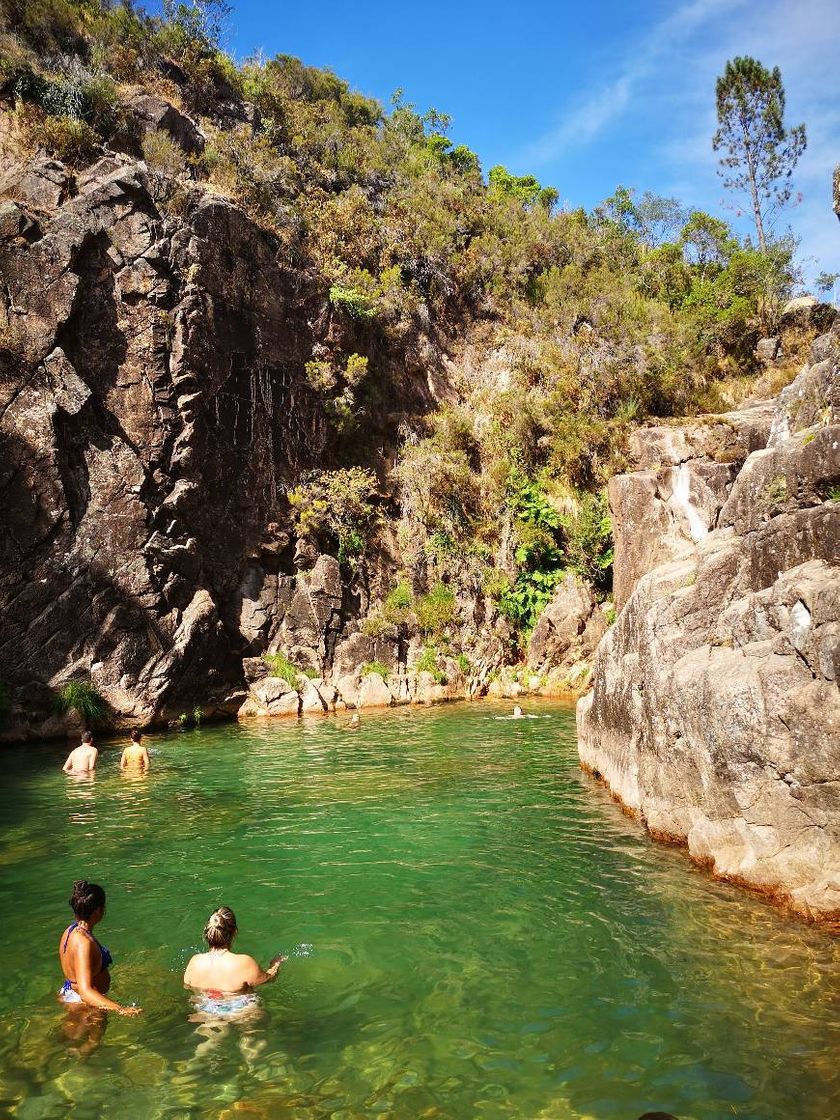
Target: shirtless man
[
  {"x": 82, "y": 760},
  {"x": 135, "y": 756}
]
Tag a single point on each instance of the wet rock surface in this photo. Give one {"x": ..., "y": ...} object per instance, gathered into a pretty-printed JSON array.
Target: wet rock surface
[{"x": 715, "y": 709}]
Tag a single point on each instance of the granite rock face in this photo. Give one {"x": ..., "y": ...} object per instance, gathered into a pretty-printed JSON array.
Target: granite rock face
[
  {"x": 715, "y": 709},
  {"x": 674, "y": 496},
  {"x": 566, "y": 635},
  {"x": 152, "y": 403}
]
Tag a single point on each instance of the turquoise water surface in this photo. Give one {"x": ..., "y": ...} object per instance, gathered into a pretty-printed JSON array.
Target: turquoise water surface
[{"x": 475, "y": 931}]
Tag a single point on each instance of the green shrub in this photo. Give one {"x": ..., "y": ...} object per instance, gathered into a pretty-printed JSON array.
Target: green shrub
[
  {"x": 355, "y": 303},
  {"x": 375, "y": 625},
  {"x": 282, "y": 667},
  {"x": 398, "y": 603},
  {"x": 82, "y": 697},
  {"x": 427, "y": 662},
  {"x": 337, "y": 506},
  {"x": 588, "y": 542},
  {"x": 463, "y": 663},
  {"x": 72, "y": 141},
  {"x": 522, "y": 603},
  {"x": 437, "y": 610},
  {"x": 375, "y": 667}
]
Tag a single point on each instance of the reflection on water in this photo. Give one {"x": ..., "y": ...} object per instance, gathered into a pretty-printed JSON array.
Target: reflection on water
[{"x": 473, "y": 930}]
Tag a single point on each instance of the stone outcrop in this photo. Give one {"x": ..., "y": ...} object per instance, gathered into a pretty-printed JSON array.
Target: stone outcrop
[
  {"x": 674, "y": 496},
  {"x": 153, "y": 407},
  {"x": 715, "y": 710},
  {"x": 565, "y": 637},
  {"x": 154, "y": 114}
]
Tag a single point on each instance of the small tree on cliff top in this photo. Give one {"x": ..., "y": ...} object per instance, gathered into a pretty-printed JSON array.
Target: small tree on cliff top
[{"x": 759, "y": 153}]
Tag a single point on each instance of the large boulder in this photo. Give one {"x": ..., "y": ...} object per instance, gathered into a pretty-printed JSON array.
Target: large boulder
[
  {"x": 157, "y": 115},
  {"x": 155, "y": 363},
  {"x": 566, "y": 634},
  {"x": 663, "y": 508}
]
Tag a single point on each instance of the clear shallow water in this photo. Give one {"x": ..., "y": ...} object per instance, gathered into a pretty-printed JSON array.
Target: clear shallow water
[{"x": 476, "y": 932}]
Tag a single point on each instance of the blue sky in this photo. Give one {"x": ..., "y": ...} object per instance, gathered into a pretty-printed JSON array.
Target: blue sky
[{"x": 584, "y": 96}]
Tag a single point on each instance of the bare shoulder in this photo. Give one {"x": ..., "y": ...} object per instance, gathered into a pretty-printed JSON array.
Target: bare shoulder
[
  {"x": 247, "y": 966},
  {"x": 192, "y": 963}
]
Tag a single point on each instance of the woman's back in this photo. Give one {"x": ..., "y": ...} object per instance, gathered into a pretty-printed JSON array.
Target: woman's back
[{"x": 222, "y": 971}]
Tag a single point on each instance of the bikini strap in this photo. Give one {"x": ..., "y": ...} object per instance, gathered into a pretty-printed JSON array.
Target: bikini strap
[{"x": 70, "y": 928}]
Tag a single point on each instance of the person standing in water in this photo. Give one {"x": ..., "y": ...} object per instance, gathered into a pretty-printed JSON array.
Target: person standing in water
[
  {"x": 224, "y": 979},
  {"x": 82, "y": 760},
  {"x": 84, "y": 962},
  {"x": 135, "y": 756}
]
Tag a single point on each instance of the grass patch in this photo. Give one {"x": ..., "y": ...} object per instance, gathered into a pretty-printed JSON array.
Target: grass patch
[
  {"x": 437, "y": 610},
  {"x": 378, "y": 667},
  {"x": 282, "y": 667},
  {"x": 81, "y": 696},
  {"x": 427, "y": 662}
]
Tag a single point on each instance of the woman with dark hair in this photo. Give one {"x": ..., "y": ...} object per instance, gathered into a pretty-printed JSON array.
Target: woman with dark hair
[
  {"x": 135, "y": 756},
  {"x": 84, "y": 961},
  {"x": 224, "y": 980}
]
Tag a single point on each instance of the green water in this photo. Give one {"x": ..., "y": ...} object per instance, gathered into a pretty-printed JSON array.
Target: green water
[{"x": 474, "y": 930}]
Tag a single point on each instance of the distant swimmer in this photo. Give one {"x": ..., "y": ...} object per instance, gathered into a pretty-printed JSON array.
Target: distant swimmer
[
  {"x": 354, "y": 723},
  {"x": 84, "y": 962},
  {"x": 517, "y": 713},
  {"x": 82, "y": 760},
  {"x": 135, "y": 756},
  {"x": 224, "y": 981}
]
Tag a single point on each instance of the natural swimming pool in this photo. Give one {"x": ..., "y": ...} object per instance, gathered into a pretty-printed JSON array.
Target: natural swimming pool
[{"x": 475, "y": 930}]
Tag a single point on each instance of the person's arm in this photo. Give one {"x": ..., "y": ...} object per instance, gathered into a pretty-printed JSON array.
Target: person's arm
[
  {"x": 254, "y": 975},
  {"x": 123, "y": 763},
  {"x": 188, "y": 973},
  {"x": 84, "y": 981},
  {"x": 146, "y": 760},
  {"x": 68, "y": 765}
]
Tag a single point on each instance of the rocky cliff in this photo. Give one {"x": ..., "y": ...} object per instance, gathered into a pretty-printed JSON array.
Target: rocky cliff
[
  {"x": 152, "y": 409},
  {"x": 715, "y": 712},
  {"x": 154, "y": 413}
]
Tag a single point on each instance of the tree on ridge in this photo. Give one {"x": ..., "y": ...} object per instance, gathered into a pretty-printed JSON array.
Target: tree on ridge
[{"x": 759, "y": 153}]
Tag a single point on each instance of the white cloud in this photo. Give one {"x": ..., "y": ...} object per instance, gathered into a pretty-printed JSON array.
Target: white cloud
[
  {"x": 662, "y": 97},
  {"x": 605, "y": 103}
]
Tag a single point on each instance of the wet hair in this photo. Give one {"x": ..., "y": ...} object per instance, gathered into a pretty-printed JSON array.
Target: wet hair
[
  {"x": 86, "y": 899},
  {"x": 221, "y": 928},
  {"x": 135, "y": 736},
  {"x": 87, "y": 737}
]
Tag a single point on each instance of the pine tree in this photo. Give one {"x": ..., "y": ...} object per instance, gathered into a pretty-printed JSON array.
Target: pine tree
[{"x": 759, "y": 153}]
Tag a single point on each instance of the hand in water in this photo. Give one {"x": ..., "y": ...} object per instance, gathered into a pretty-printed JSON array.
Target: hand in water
[
  {"x": 276, "y": 961},
  {"x": 131, "y": 1011}
]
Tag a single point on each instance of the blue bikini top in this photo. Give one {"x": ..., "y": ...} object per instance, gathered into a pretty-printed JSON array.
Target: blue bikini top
[{"x": 107, "y": 959}]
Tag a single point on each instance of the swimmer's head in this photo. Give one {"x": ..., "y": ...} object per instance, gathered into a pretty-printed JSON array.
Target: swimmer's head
[
  {"x": 517, "y": 711},
  {"x": 86, "y": 899},
  {"x": 221, "y": 928},
  {"x": 87, "y": 737},
  {"x": 135, "y": 736}
]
